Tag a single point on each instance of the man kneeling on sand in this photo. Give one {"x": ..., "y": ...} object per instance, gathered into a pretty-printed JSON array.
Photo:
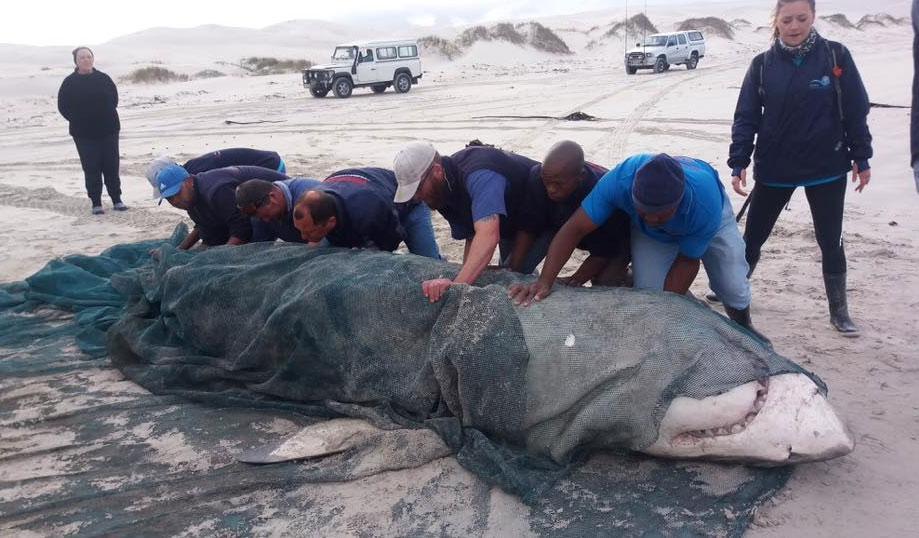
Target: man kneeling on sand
[
  {"x": 554, "y": 191},
  {"x": 680, "y": 216},
  {"x": 210, "y": 200}
]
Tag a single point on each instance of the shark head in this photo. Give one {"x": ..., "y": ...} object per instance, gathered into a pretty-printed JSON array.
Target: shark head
[{"x": 779, "y": 420}]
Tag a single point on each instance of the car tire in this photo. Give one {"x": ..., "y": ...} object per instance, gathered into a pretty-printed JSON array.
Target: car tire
[
  {"x": 660, "y": 65},
  {"x": 693, "y": 61},
  {"x": 402, "y": 83},
  {"x": 318, "y": 93},
  {"x": 342, "y": 87},
  {"x": 378, "y": 88},
  {"x": 631, "y": 70}
]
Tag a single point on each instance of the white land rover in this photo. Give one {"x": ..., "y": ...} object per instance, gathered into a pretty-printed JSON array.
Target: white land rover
[
  {"x": 378, "y": 64},
  {"x": 660, "y": 51}
]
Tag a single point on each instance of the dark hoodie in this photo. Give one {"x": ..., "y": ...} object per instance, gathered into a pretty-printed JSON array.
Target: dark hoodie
[{"x": 89, "y": 103}]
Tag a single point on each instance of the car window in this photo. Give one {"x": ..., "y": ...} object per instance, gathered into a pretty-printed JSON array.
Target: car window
[
  {"x": 408, "y": 51},
  {"x": 672, "y": 41},
  {"x": 695, "y": 36},
  {"x": 367, "y": 56},
  {"x": 682, "y": 39},
  {"x": 386, "y": 53}
]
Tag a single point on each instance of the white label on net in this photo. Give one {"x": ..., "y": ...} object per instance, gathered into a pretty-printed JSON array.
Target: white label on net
[{"x": 569, "y": 341}]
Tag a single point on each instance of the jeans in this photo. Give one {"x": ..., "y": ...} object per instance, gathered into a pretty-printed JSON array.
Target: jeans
[
  {"x": 419, "y": 232},
  {"x": 724, "y": 261},
  {"x": 99, "y": 157}
]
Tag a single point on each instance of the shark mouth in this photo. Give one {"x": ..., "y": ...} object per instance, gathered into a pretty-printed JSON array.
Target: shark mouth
[
  {"x": 762, "y": 391},
  {"x": 775, "y": 421}
]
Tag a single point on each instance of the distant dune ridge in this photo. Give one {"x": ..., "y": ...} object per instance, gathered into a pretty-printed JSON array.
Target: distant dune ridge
[
  {"x": 839, "y": 20},
  {"x": 636, "y": 24},
  {"x": 529, "y": 34},
  {"x": 708, "y": 25}
]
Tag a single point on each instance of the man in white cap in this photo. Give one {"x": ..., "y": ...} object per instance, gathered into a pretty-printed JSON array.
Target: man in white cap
[{"x": 479, "y": 191}]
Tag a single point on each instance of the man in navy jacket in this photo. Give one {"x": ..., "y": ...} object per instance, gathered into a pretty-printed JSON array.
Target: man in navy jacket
[
  {"x": 270, "y": 205},
  {"x": 210, "y": 200}
]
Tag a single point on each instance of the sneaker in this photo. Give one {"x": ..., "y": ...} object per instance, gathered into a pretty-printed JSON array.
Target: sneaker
[
  {"x": 119, "y": 206},
  {"x": 97, "y": 210}
]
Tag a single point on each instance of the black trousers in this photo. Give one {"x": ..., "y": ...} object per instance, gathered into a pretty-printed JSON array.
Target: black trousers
[
  {"x": 99, "y": 157},
  {"x": 826, "y": 202}
]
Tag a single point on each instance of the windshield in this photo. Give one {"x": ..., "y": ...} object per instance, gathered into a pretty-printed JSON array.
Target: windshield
[
  {"x": 343, "y": 53},
  {"x": 656, "y": 41}
]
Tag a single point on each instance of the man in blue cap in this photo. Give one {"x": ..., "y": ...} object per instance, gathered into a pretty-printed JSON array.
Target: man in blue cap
[
  {"x": 680, "y": 216},
  {"x": 220, "y": 158},
  {"x": 210, "y": 200}
]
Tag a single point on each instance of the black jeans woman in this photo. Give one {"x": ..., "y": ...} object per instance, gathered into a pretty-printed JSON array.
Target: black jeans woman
[
  {"x": 88, "y": 99},
  {"x": 804, "y": 105}
]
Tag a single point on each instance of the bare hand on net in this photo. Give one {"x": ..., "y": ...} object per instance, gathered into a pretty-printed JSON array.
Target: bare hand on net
[
  {"x": 740, "y": 182},
  {"x": 862, "y": 176},
  {"x": 435, "y": 289},
  {"x": 525, "y": 294}
]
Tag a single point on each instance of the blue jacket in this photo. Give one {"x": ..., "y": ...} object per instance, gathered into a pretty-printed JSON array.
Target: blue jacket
[
  {"x": 233, "y": 157},
  {"x": 515, "y": 169},
  {"x": 284, "y": 229},
  {"x": 214, "y": 212},
  {"x": 793, "y": 112},
  {"x": 365, "y": 213}
]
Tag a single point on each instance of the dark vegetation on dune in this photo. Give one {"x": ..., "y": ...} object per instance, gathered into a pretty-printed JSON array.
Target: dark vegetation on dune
[
  {"x": 531, "y": 34},
  {"x": 153, "y": 75},
  {"x": 256, "y": 65},
  {"x": 637, "y": 24},
  {"x": 839, "y": 20},
  {"x": 708, "y": 25}
]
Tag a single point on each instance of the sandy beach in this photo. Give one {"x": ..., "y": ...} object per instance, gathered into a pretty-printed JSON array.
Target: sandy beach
[{"x": 873, "y": 380}]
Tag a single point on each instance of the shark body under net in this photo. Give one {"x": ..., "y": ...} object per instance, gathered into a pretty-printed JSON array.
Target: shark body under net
[{"x": 546, "y": 402}]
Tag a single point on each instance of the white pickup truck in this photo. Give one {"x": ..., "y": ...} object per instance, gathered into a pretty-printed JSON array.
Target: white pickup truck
[{"x": 660, "y": 51}]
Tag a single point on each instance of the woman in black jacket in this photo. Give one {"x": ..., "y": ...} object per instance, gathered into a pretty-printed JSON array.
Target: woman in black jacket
[
  {"x": 804, "y": 103},
  {"x": 88, "y": 99}
]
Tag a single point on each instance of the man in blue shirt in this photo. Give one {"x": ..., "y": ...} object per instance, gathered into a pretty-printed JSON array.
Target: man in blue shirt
[
  {"x": 354, "y": 208},
  {"x": 210, "y": 200},
  {"x": 555, "y": 190},
  {"x": 479, "y": 190},
  {"x": 679, "y": 215},
  {"x": 270, "y": 205}
]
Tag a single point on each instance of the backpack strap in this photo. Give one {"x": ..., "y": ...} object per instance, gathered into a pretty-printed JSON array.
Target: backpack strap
[{"x": 835, "y": 74}]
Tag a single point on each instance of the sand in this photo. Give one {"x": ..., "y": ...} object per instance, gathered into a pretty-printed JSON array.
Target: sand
[{"x": 44, "y": 211}]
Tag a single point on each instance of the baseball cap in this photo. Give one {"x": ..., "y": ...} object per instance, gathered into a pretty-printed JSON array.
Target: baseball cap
[
  {"x": 154, "y": 168},
  {"x": 169, "y": 180},
  {"x": 410, "y": 164},
  {"x": 658, "y": 185}
]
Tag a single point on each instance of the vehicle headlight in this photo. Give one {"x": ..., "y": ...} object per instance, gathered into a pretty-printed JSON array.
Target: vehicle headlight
[{"x": 648, "y": 54}]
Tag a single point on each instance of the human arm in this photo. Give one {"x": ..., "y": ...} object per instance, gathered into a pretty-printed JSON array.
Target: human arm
[
  {"x": 748, "y": 115},
  {"x": 564, "y": 243},
  {"x": 589, "y": 269},
  {"x": 855, "y": 106},
  {"x": 479, "y": 252},
  {"x": 111, "y": 91},
  {"x": 377, "y": 222},
  {"x": 191, "y": 239},
  {"x": 523, "y": 242},
  {"x": 64, "y": 105},
  {"x": 682, "y": 274}
]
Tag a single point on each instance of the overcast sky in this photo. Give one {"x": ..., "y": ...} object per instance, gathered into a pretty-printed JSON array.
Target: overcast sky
[{"x": 90, "y": 22}]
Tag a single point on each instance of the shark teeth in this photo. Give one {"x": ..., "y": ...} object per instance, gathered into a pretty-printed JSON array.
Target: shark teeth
[{"x": 732, "y": 429}]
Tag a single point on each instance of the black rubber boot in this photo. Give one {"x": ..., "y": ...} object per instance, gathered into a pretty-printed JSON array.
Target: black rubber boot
[
  {"x": 742, "y": 318},
  {"x": 839, "y": 308}
]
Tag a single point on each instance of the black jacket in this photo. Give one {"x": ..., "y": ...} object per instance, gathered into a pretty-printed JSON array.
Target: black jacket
[
  {"x": 794, "y": 114},
  {"x": 89, "y": 103}
]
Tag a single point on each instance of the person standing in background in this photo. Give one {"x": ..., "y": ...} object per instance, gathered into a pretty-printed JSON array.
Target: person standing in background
[
  {"x": 88, "y": 100},
  {"x": 914, "y": 120}
]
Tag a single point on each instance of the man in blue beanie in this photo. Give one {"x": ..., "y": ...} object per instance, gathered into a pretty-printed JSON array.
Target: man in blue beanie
[{"x": 680, "y": 217}]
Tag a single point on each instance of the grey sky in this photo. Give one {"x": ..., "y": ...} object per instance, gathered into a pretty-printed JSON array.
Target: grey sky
[{"x": 72, "y": 22}]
